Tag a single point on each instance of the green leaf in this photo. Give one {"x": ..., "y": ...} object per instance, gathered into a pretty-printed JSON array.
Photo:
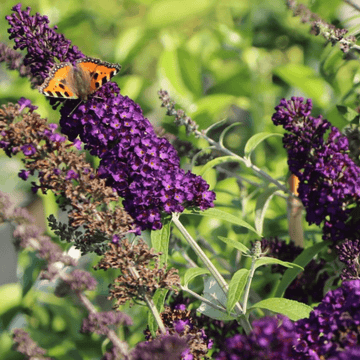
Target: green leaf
[
  {"x": 193, "y": 273},
  {"x": 303, "y": 259},
  {"x": 236, "y": 244},
  {"x": 191, "y": 71},
  {"x": 131, "y": 85},
  {"x": 262, "y": 204},
  {"x": 270, "y": 261},
  {"x": 222, "y": 215},
  {"x": 306, "y": 79},
  {"x": 128, "y": 42},
  {"x": 215, "y": 295},
  {"x": 159, "y": 299},
  {"x": 212, "y": 106},
  {"x": 10, "y": 295},
  {"x": 218, "y": 161},
  {"x": 160, "y": 241},
  {"x": 51, "y": 207},
  {"x": 168, "y": 12},
  {"x": 348, "y": 113},
  {"x": 255, "y": 140},
  {"x": 294, "y": 310},
  {"x": 170, "y": 75},
  {"x": 236, "y": 288},
  {"x": 31, "y": 267}
]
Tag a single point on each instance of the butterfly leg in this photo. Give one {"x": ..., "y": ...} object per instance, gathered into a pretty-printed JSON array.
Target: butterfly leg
[{"x": 75, "y": 107}]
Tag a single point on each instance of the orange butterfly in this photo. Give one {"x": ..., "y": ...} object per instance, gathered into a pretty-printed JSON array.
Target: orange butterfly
[{"x": 79, "y": 81}]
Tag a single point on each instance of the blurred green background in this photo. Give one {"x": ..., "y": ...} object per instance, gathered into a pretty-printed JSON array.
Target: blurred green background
[{"x": 220, "y": 60}]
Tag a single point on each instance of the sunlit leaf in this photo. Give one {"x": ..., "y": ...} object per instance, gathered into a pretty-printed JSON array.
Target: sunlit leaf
[
  {"x": 221, "y": 215},
  {"x": 160, "y": 241},
  {"x": 271, "y": 261},
  {"x": 262, "y": 204},
  {"x": 236, "y": 244},
  {"x": 294, "y": 310},
  {"x": 236, "y": 288},
  {"x": 193, "y": 273},
  {"x": 255, "y": 140}
]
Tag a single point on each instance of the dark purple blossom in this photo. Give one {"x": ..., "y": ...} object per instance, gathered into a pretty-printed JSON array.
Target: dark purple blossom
[
  {"x": 333, "y": 326},
  {"x": 24, "y": 174},
  {"x": 329, "y": 178},
  {"x": 349, "y": 253},
  {"x": 133, "y": 159},
  {"x": 26, "y": 103},
  {"x": 271, "y": 338},
  {"x": 349, "y": 354},
  {"x": 115, "y": 239},
  {"x": 71, "y": 174},
  {"x": 28, "y": 149},
  {"x": 180, "y": 325},
  {"x": 77, "y": 144},
  {"x": 43, "y": 44}
]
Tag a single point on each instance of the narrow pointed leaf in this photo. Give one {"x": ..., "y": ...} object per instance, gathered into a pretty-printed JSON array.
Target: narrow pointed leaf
[
  {"x": 303, "y": 259},
  {"x": 193, "y": 273},
  {"x": 255, "y": 140},
  {"x": 160, "y": 241},
  {"x": 262, "y": 205},
  {"x": 270, "y": 261},
  {"x": 236, "y": 288},
  {"x": 236, "y": 244},
  {"x": 294, "y": 310},
  {"x": 222, "y": 215},
  {"x": 218, "y": 161}
]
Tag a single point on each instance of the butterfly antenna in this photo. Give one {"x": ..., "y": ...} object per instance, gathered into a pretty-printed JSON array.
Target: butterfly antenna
[{"x": 75, "y": 108}]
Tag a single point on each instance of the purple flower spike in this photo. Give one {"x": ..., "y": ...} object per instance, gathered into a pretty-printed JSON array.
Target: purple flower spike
[
  {"x": 329, "y": 178},
  {"x": 142, "y": 168},
  {"x": 271, "y": 338},
  {"x": 332, "y": 330},
  {"x": 43, "y": 44}
]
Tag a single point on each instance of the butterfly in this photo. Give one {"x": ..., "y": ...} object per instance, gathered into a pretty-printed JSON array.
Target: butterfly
[{"x": 78, "y": 81}]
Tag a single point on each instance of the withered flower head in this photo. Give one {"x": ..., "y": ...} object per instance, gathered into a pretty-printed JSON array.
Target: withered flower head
[
  {"x": 61, "y": 169},
  {"x": 140, "y": 275}
]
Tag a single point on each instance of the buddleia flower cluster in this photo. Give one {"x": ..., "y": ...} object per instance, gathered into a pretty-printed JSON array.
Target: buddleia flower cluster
[
  {"x": 329, "y": 178},
  {"x": 142, "y": 168}
]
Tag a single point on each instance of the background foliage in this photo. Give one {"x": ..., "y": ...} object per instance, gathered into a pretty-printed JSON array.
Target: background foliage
[{"x": 220, "y": 60}]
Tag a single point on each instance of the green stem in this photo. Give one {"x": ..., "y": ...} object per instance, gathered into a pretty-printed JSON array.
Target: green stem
[
  {"x": 247, "y": 162},
  {"x": 247, "y": 289},
  {"x": 210, "y": 266},
  {"x": 204, "y": 300}
]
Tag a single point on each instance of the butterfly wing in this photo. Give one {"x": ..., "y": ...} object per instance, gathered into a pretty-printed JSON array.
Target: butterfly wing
[
  {"x": 100, "y": 71},
  {"x": 57, "y": 84}
]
